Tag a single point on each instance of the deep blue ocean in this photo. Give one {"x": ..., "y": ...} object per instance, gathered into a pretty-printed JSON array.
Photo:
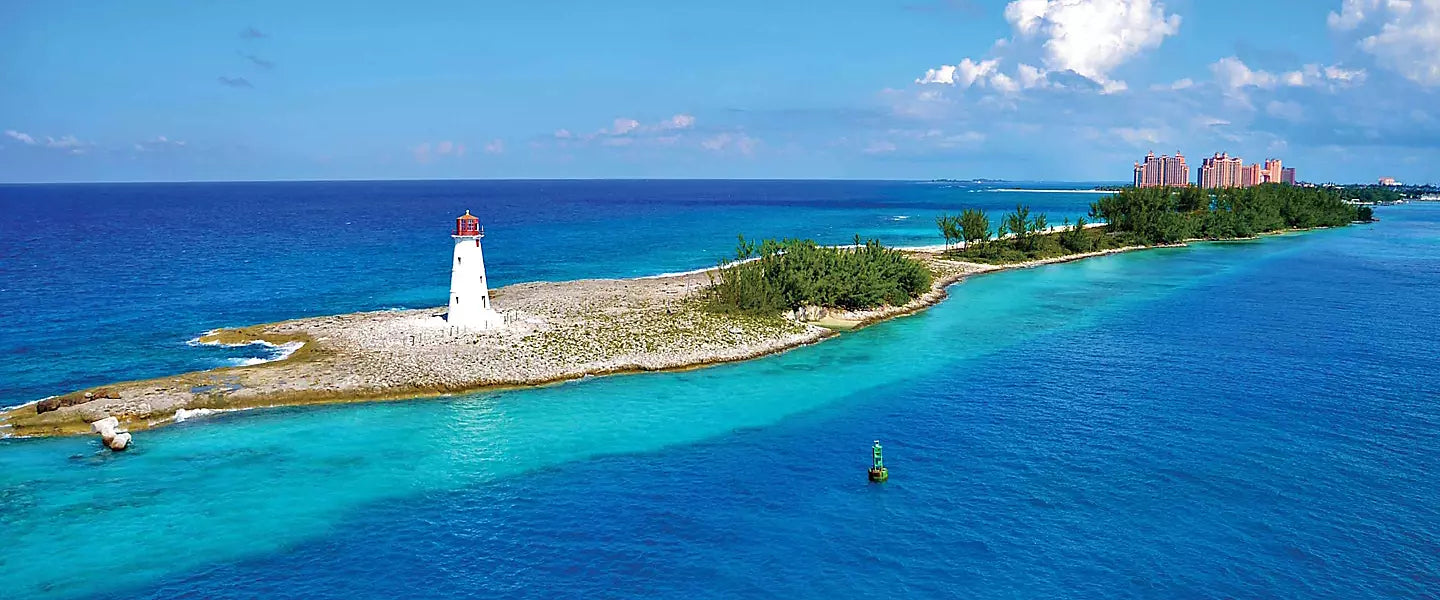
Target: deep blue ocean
[{"x": 1245, "y": 419}]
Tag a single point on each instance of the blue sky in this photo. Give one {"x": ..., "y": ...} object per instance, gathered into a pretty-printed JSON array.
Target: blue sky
[{"x": 1344, "y": 90}]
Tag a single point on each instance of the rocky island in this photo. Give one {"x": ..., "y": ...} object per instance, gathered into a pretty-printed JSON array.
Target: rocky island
[{"x": 554, "y": 331}]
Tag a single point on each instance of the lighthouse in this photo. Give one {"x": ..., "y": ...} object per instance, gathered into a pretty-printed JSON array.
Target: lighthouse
[{"x": 469, "y": 292}]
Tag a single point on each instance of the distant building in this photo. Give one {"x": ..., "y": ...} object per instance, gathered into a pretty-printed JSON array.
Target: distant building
[
  {"x": 1162, "y": 170},
  {"x": 1221, "y": 171},
  {"x": 1390, "y": 181},
  {"x": 1218, "y": 171},
  {"x": 1250, "y": 175},
  {"x": 1272, "y": 172}
]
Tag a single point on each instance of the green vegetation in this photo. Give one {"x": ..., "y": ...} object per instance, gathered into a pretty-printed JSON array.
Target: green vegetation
[
  {"x": 1151, "y": 216},
  {"x": 970, "y": 226},
  {"x": 1371, "y": 194},
  {"x": 1023, "y": 238},
  {"x": 1168, "y": 215},
  {"x": 772, "y": 277}
]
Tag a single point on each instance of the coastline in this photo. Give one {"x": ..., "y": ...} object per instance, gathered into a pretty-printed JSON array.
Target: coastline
[{"x": 560, "y": 331}]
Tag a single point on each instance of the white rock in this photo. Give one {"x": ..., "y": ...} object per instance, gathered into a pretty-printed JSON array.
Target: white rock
[
  {"x": 106, "y": 427},
  {"x": 119, "y": 442}
]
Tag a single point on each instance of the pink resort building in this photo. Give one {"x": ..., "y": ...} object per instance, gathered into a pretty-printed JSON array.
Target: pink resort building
[{"x": 1162, "y": 170}]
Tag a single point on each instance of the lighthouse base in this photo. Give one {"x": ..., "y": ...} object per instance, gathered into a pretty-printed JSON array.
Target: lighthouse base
[{"x": 484, "y": 319}]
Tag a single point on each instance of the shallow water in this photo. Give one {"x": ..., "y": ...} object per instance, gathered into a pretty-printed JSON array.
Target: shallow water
[{"x": 1226, "y": 420}]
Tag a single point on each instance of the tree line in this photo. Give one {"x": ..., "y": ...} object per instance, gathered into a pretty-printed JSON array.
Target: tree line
[
  {"x": 1149, "y": 216},
  {"x": 1161, "y": 215},
  {"x": 775, "y": 276}
]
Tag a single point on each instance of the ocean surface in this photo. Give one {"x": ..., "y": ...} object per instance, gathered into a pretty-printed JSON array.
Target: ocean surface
[{"x": 1246, "y": 419}]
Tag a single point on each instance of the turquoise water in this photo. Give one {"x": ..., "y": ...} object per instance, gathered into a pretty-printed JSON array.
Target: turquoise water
[{"x": 1226, "y": 420}]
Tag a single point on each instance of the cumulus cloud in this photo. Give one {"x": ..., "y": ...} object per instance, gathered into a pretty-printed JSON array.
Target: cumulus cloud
[
  {"x": 1004, "y": 84},
  {"x": 1404, "y": 35},
  {"x": 965, "y": 74},
  {"x": 496, "y": 146},
  {"x": 1089, "y": 38},
  {"x": 1092, "y": 37}
]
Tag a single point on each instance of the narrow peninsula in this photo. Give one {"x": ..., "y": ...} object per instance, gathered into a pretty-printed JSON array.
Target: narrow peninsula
[{"x": 770, "y": 297}]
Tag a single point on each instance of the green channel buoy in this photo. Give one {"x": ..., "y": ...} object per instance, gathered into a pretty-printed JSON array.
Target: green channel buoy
[{"x": 878, "y": 472}]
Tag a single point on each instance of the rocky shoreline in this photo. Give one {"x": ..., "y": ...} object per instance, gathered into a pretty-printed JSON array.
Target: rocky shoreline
[{"x": 556, "y": 331}]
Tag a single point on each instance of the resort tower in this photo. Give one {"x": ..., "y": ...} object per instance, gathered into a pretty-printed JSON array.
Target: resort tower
[{"x": 469, "y": 293}]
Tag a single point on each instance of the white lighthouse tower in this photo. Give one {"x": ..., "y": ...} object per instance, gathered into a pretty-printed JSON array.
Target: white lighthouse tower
[{"x": 469, "y": 292}]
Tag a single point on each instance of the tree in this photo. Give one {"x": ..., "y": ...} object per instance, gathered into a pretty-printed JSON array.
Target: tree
[
  {"x": 948, "y": 228},
  {"x": 1074, "y": 238},
  {"x": 974, "y": 226},
  {"x": 1018, "y": 223}
]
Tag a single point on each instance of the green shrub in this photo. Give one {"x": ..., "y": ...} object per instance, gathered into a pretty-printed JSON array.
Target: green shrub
[{"x": 777, "y": 276}]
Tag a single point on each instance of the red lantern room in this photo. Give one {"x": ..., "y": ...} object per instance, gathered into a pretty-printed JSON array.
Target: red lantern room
[{"x": 468, "y": 224}]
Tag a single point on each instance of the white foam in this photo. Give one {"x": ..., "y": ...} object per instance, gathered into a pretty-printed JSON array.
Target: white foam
[{"x": 184, "y": 414}]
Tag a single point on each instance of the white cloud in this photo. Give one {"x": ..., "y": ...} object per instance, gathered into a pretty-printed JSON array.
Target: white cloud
[
  {"x": 66, "y": 143},
  {"x": 964, "y": 75},
  {"x": 624, "y": 126},
  {"x": 945, "y": 74},
  {"x": 1405, "y": 38},
  {"x": 1232, "y": 74},
  {"x": 1092, "y": 37},
  {"x": 496, "y": 146},
  {"x": 1335, "y": 73},
  {"x": 1004, "y": 84},
  {"x": 1030, "y": 76},
  {"x": 728, "y": 142},
  {"x": 563, "y": 134},
  {"x": 21, "y": 137},
  {"x": 1137, "y": 136},
  {"x": 1087, "y": 37},
  {"x": 681, "y": 121},
  {"x": 1179, "y": 84},
  {"x": 158, "y": 143}
]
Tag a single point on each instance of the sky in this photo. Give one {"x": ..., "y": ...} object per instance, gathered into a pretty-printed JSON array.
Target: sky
[{"x": 1077, "y": 90}]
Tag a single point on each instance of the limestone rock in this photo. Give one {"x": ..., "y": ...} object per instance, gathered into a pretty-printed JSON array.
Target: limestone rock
[
  {"x": 110, "y": 433},
  {"x": 47, "y": 405}
]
